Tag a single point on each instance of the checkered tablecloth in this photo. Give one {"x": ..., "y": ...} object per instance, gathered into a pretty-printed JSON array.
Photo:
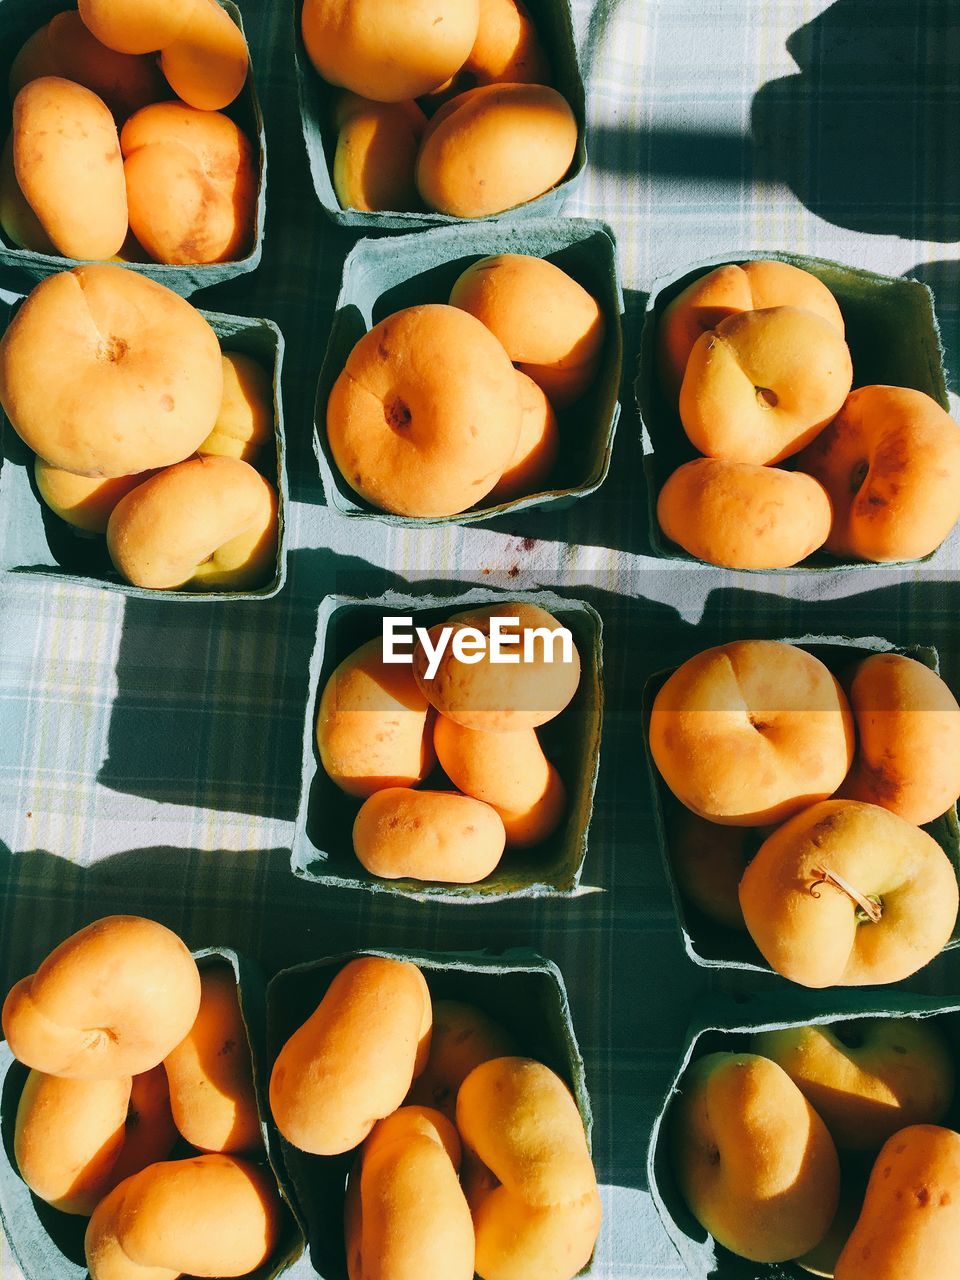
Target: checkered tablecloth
[{"x": 150, "y": 753}]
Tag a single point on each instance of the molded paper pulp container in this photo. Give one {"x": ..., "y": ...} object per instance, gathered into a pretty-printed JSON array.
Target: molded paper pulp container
[
  {"x": 894, "y": 339},
  {"x": 721, "y": 1025},
  {"x": 19, "y": 19},
  {"x": 520, "y": 990},
  {"x": 554, "y": 23},
  {"x": 322, "y": 844},
  {"x": 384, "y": 276},
  {"x": 46, "y": 1243},
  {"x": 710, "y": 944},
  {"x": 35, "y": 542}
]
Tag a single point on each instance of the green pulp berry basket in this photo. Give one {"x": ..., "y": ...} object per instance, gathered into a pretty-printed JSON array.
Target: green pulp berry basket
[
  {"x": 384, "y": 276},
  {"x": 37, "y": 543},
  {"x": 723, "y": 1025},
  {"x": 713, "y": 945},
  {"x": 23, "y": 268},
  {"x": 322, "y": 845},
  {"x": 520, "y": 990},
  {"x": 47, "y": 1243},
  {"x": 894, "y": 339},
  {"x": 554, "y": 22}
]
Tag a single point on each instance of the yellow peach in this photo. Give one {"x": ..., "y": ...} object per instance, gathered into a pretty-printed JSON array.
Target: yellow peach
[
  {"x": 86, "y": 502},
  {"x": 210, "y": 1072},
  {"x": 247, "y": 419},
  {"x": 742, "y": 516},
  {"x": 375, "y": 160},
  {"x": 496, "y": 147},
  {"x": 111, "y": 1000},
  {"x": 762, "y": 384}
]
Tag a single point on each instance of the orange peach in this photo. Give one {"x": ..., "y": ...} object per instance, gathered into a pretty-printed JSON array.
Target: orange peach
[
  {"x": 64, "y": 47},
  {"x": 709, "y": 861},
  {"x": 743, "y": 516},
  {"x": 908, "y": 731},
  {"x": 728, "y": 291},
  {"x": 413, "y": 1219},
  {"x": 890, "y": 461},
  {"x": 67, "y": 161},
  {"x": 463, "y": 1037},
  {"x": 517, "y": 1241},
  {"x": 428, "y": 835},
  {"x": 910, "y": 1221},
  {"x": 207, "y": 523},
  {"x": 191, "y": 181},
  {"x": 502, "y": 697},
  {"x": 111, "y": 1000},
  {"x": 206, "y": 65},
  {"x": 751, "y": 732},
  {"x": 354, "y": 1059},
  {"x": 209, "y": 1215},
  {"x": 520, "y": 1119},
  {"x": 762, "y": 384},
  {"x": 549, "y": 325},
  {"x": 425, "y": 416},
  {"x": 136, "y": 26},
  {"x": 496, "y": 147},
  {"x": 389, "y": 52},
  {"x": 535, "y": 456},
  {"x": 104, "y": 372},
  {"x": 507, "y": 49},
  {"x": 150, "y": 1132}
]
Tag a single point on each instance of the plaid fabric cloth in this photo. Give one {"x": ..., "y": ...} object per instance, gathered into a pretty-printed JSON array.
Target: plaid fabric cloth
[{"x": 150, "y": 753}]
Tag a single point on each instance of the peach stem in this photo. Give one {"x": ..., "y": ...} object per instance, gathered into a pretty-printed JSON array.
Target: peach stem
[{"x": 872, "y": 910}]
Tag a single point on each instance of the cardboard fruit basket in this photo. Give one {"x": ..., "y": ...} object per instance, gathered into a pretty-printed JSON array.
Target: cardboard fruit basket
[
  {"x": 47, "y": 1243},
  {"x": 723, "y": 1025},
  {"x": 554, "y": 23},
  {"x": 383, "y": 276},
  {"x": 19, "y": 19},
  {"x": 519, "y": 989},
  {"x": 712, "y": 945},
  {"x": 322, "y": 845},
  {"x": 37, "y": 543},
  {"x": 894, "y": 339}
]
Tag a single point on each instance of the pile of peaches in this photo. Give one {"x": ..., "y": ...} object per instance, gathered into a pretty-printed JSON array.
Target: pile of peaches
[
  {"x": 143, "y": 429},
  {"x": 381, "y": 729},
  {"x": 120, "y": 146},
  {"x": 442, "y": 406},
  {"x": 823, "y": 1144},
  {"x": 754, "y": 358},
  {"x": 761, "y": 744},
  {"x": 469, "y": 1159},
  {"x": 448, "y": 105},
  {"x": 140, "y": 1113},
  {"x": 133, "y": 1051}
]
